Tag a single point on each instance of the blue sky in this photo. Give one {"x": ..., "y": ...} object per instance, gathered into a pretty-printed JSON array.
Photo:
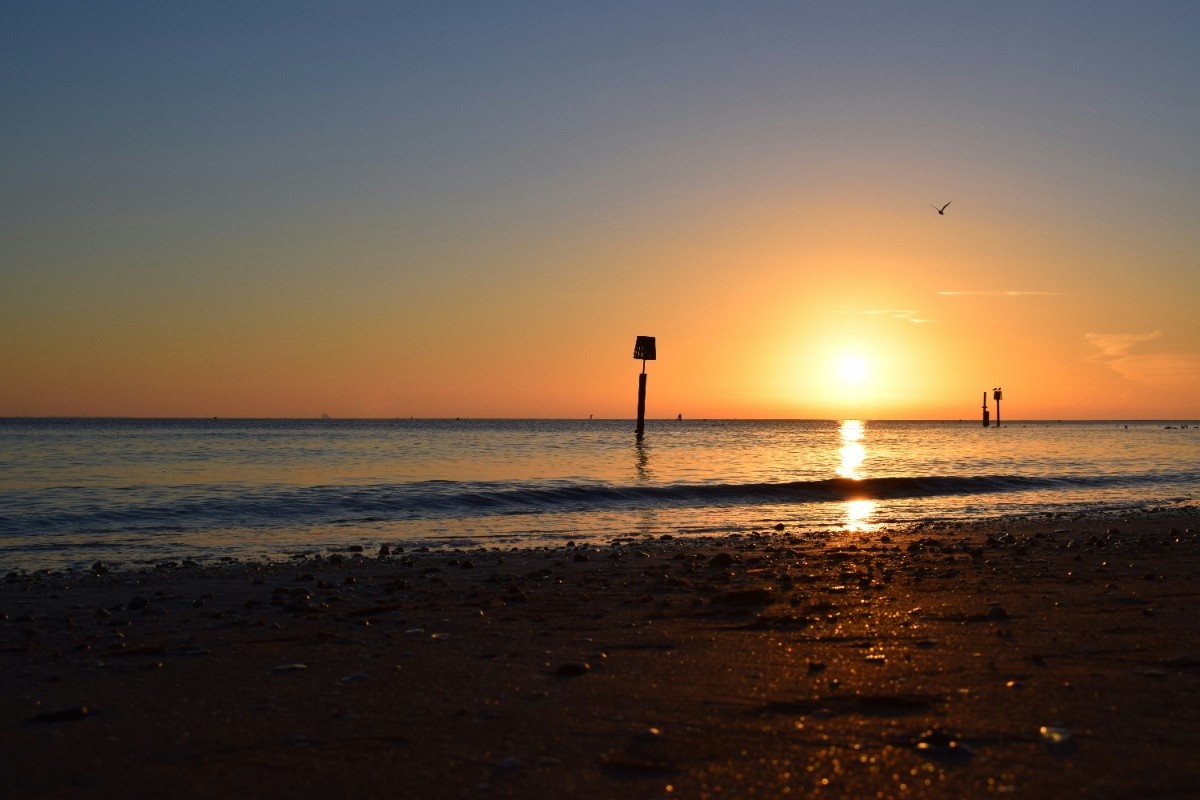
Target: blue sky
[{"x": 213, "y": 180}]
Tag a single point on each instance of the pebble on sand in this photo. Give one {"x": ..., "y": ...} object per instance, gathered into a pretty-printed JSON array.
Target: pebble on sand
[
  {"x": 68, "y": 714},
  {"x": 572, "y": 669}
]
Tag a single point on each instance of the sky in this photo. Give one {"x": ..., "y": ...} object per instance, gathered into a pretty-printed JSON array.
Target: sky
[{"x": 472, "y": 209}]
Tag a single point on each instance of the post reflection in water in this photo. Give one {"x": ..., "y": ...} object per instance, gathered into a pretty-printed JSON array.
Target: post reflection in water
[
  {"x": 853, "y": 454},
  {"x": 648, "y": 518},
  {"x": 641, "y": 461}
]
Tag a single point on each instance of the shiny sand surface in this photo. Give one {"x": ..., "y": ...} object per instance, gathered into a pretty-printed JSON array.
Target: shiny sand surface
[{"x": 1056, "y": 658}]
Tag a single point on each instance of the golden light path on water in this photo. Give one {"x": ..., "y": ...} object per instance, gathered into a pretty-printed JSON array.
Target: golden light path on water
[{"x": 853, "y": 453}]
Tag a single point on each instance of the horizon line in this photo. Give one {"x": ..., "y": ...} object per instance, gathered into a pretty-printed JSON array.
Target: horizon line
[{"x": 971, "y": 420}]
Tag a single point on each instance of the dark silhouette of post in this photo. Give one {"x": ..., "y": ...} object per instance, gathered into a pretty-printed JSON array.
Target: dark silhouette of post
[
  {"x": 996, "y": 395},
  {"x": 643, "y": 348},
  {"x": 985, "y": 410}
]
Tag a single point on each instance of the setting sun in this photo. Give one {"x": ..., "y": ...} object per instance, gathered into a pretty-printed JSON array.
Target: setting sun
[{"x": 852, "y": 369}]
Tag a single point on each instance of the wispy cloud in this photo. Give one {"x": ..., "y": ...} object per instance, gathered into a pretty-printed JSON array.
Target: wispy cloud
[
  {"x": 1150, "y": 369},
  {"x": 1008, "y": 293},
  {"x": 906, "y": 314},
  {"x": 1118, "y": 345}
]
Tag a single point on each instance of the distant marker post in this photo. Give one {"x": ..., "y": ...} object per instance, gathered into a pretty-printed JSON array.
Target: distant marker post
[
  {"x": 996, "y": 395},
  {"x": 985, "y": 410},
  {"x": 643, "y": 348}
]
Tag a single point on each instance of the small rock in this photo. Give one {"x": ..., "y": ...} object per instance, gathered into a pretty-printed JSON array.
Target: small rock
[
  {"x": 648, "y": 735},
  {"x": 721, "y": 560},
  {"x": 300, "y": 606},
  {"x": 573, "y": 669},
  {"x": 69, "y": 714},
  {"x": 1055, "y": 736}
]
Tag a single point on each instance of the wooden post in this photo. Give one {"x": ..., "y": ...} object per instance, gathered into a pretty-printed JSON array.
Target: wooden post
[
  {"x": 996, "y": 395},
  {"x": 644, "y": 349},
  {"x": 985, "y": 410},
  {"x": 641, "y": 423}
]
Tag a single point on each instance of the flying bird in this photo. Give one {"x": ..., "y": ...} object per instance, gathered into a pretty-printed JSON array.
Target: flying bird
[{"x": 941, "y": 210}]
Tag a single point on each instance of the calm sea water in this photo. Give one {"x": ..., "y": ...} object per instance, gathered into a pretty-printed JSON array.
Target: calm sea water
[{"x": 142, "y": 491}]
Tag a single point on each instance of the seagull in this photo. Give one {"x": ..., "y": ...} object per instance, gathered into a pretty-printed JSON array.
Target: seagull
[{"x": 941, "y": 210}]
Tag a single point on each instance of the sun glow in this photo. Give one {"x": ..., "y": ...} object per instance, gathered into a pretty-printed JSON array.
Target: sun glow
[{"x": 852, "y": 369}]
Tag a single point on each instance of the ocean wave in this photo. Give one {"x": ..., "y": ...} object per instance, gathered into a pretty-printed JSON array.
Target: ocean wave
[{"x": 225, "y": 507}]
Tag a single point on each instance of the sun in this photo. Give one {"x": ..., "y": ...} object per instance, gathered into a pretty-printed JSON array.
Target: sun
[{"x": 852, "y": 369}]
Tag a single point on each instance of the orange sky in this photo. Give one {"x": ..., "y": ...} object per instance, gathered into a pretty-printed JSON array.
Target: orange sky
[{"x": 422, "y": 212}]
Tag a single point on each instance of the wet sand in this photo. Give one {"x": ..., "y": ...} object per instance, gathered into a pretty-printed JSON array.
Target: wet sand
[{"x": 1055, "y": 658}]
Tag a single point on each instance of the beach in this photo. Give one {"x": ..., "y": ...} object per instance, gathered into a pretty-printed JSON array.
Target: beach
[{"x": 1052, "y": 656}]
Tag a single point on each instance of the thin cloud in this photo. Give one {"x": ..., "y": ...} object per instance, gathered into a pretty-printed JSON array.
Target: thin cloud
[
  {"x": 906, "y": 314},
  {"x": 1010, "y": 293},
  {"x": 1116, "y": 351},
  {"x": 1116, "y": 345}
]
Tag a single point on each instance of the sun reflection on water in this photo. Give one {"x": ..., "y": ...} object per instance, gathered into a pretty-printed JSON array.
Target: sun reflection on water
[
  {"x": 858, "y": 515},
  {"x": 853, "y": 453}
]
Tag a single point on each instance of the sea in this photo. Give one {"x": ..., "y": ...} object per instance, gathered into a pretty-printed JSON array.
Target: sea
[{"x": 133, "y": 492}]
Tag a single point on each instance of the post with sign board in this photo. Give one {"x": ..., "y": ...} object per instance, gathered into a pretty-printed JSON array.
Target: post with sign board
[
  {"x": 997, "y": 394},
  {"x": 643, "y": 348}
]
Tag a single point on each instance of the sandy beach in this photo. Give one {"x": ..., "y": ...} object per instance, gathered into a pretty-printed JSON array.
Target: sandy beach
[{"x": 1039, "y": 658}]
